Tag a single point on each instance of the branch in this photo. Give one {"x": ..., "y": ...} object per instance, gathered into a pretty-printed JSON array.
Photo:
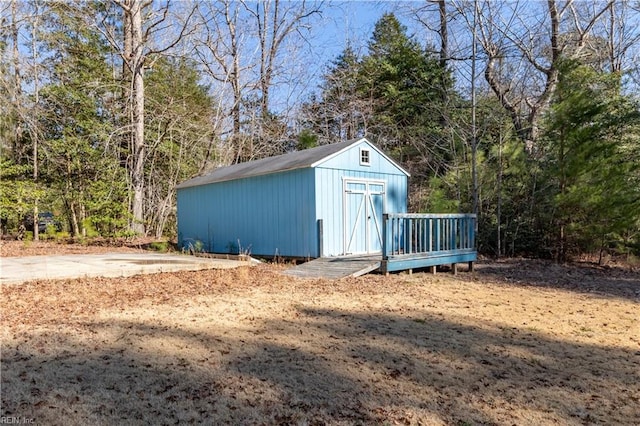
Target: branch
[
  {"x": 582, "y": 32},
  {"x": 165, "y": 12},
  {"x": 103, "y": 29},
  {"x": 183, "y": 32},
  {"x": 123, "y": 5}
]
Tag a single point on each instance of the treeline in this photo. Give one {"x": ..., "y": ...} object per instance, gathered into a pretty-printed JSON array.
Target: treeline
[{"x": 533, "y": 124}]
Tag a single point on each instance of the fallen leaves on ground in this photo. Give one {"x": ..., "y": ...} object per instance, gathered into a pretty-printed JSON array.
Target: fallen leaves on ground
[{"x": 505, "y": 345}]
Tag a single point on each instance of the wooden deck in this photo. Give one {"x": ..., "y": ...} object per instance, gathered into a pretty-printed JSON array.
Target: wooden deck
[
  {"x": 414, "y": 241},
  {"x": 336, "y": 267},
  {"x": 409, "y": 241}
]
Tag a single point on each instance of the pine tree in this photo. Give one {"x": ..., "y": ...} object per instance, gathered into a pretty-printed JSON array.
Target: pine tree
[
  {"x": 79, "y": 162},
  {"x": 592, "y": 133},
  {"x": 342, "y": 111},
  {"x": 393, "y": 95},
  {"x": 406, "y": 83}
]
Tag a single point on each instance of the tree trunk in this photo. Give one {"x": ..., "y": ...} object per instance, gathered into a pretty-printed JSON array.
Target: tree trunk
[
  {"x": 561, "y": 256},
  {"x": 137, "y": 173},
  {"x": 71, "y": 204},
  {"x": 137, "y": 122},
  {"x": 499, "y": 201},
  {"x": 232, "y": 23},
  {"x": 34, "y": 131},
  {"x": 74, "y": 219},
  {"x": 444, "y": 35},
  {"x": 474, "y": 130},
  {"x": 266, "y": 52},
  {"x": 127, "y": 55},
  {"x": 17, "y": 93}
]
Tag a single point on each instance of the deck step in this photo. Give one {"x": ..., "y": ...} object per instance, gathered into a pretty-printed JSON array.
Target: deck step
[{"x": 336, "y": 267}]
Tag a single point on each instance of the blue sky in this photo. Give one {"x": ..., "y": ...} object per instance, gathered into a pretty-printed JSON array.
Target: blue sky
[
  {"x": 342, "y": 22},
  {"x": 353, "y": 21}
]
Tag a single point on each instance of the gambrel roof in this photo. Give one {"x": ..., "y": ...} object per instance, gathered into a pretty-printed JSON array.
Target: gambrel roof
[{"x": 295, "y": 160}]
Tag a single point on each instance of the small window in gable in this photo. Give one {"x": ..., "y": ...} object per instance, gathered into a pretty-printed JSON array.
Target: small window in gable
[{"x": 365, "y": 158}]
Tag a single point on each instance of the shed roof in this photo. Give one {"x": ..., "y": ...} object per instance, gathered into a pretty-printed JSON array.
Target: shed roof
[{"x": 295, "y": 160}]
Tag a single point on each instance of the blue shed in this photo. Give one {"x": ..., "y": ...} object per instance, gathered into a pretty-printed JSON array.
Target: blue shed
[{"x": 323, "y": 201}]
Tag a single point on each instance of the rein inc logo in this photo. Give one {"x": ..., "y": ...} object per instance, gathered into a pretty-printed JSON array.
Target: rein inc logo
[{"x": 16, "y": 420}]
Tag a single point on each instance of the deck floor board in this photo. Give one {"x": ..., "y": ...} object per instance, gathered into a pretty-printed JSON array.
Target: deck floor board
[{"x": 336, "y": 267}]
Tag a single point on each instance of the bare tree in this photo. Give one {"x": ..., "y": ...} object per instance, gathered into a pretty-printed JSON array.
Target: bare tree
[
  {"x": 24, "y": 23},
  {"x": 277, "y": 25},
  {"x": 276, "y": 21},
  {"x": 521, "y": 43},
  {"x": 621, "y": 33},
  {"x": 144, "y": 29},
  {"x": 246, "y": 49},
  {"x": 523, "y": 46},
  {"x": 35, "y": 128},
  {"x": 11, "y": 20},
  {"x": 220, "y": 50},
  {"x": 447, "y": 23}
]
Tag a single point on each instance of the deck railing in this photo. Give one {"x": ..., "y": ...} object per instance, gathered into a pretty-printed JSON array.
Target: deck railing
[{"x": 406, "y": 235}]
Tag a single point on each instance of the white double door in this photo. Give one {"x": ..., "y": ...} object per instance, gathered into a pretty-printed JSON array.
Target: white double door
[{"x": 363, "y": 205}]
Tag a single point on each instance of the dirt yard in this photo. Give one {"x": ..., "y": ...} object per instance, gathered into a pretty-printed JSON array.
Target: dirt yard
[{"x": 518, "y": 342}]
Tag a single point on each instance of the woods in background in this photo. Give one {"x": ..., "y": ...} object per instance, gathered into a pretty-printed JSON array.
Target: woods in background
[{"x": 524, "y": 112}]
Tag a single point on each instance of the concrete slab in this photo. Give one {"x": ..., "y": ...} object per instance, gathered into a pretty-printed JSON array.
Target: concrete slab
[{"x": 15, "y": 270}]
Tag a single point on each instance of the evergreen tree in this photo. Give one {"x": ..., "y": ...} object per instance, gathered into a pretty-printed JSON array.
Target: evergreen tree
[
  {"x": 18, "y": 192},
  {"x": 592, "y": 139},
  {"x": 79, "y": 162},
  {"x": 342, "y": 112},
  {"x": 406, "y": 83},
  {"x": 393, "y": 95}
]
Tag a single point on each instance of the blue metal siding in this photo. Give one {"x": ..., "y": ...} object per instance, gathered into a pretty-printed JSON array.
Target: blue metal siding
[
  {"x": 329, "y": 202},
  {"x": 265, "y": 215},
  {"x": 278, "y": 213},
  {"x": 350, "y": 160}
]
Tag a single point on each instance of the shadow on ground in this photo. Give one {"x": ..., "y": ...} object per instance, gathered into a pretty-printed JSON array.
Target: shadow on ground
[{"x": 346, "y": 367}]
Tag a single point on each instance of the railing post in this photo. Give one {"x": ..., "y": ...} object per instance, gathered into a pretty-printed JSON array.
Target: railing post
[
  {"x": 473, "y": 231},
  {"x": 420, "y": 236},
  {"x": 409, "y": 236},
  {"x": 464, "y": 236},
  {"x": 320, "y": 237},
  {"x": 398, "y": 235},
  {"x": 454, "y": 234},
  {"x": 385, "y": 236}
]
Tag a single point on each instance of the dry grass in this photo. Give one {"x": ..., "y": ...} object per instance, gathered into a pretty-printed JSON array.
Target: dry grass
[{"x": 251, "y": 346}]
